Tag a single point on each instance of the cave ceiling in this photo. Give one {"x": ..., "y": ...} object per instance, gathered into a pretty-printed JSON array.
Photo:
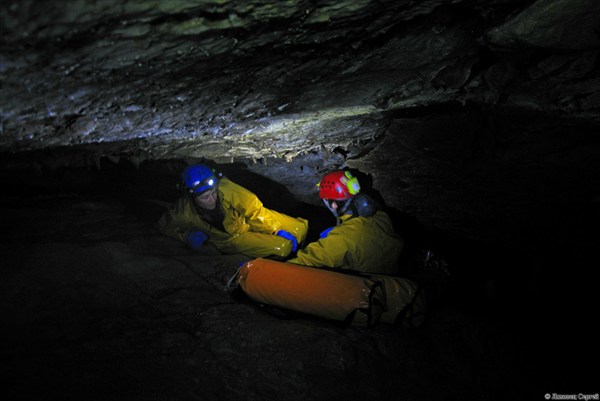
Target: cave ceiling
[{"x": 294, "y": 88}]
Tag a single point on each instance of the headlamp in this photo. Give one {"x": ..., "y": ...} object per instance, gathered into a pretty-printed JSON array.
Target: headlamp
[{"x": 201, "y": 186}]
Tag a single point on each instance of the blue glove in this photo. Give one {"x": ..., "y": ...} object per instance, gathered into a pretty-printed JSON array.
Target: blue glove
[
  {"x": 286, "y": 235},
  {"x": 196, "y": 239},
  {"x": 325, "y": 232}
]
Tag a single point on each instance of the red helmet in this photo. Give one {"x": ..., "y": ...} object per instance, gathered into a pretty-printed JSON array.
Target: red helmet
[{"x": 338, "y": 185}]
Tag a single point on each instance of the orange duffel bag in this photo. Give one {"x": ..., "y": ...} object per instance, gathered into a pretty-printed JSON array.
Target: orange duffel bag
[{"x": 357, "y": 299}]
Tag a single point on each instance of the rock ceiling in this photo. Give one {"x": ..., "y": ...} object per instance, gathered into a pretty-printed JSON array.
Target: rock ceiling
[{"x": 292, "y": 88}]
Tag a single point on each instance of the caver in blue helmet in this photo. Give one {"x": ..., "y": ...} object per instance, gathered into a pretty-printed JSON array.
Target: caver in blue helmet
[
  {"x": 198, "y": 178},
  {"x": 229, "y": 217}
]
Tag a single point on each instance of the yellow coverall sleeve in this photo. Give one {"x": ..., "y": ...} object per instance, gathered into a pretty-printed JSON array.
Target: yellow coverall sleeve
[
  {"x": 365, "y": 244},
  {"x": 176, "y": 221},
  {"x": 331, "y": 251},
  {"x": 247, "y": 204}
]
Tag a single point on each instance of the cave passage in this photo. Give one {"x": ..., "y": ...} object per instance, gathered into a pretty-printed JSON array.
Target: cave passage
[
  {"x": 85, "y": 272},
  {"x": 101, "y": 302}
]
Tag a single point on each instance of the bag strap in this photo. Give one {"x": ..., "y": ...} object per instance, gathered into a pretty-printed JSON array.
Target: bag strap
[{"x": 232, "y": 278}]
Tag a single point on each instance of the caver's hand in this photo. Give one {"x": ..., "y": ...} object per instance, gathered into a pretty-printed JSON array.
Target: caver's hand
[
  {"x": 287, "y": 235},
  {"x": 196, "y": 239},
  {"x": 325, "y": 232}
]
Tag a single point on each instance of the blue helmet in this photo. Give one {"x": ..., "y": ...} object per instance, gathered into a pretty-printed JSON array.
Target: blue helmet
[{"x": 198, "y": 178}]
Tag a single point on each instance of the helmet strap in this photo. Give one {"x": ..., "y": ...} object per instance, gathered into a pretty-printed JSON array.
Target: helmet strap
[
  {"x": 332, "y": 210},
  {"x": 345, "y": 206},
  {"x": 340, "y": 210}
]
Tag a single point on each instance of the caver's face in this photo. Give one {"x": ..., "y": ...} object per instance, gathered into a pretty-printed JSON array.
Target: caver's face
[
  {"x": 333, "y": 206},
  {"x": 207, "y": 200}
]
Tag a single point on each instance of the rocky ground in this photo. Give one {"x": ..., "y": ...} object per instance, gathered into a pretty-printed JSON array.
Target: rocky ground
[{"x": 97, "y": 305}]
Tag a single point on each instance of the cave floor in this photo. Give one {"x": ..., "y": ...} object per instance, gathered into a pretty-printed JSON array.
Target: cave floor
[{"x": 97, "y": 305}]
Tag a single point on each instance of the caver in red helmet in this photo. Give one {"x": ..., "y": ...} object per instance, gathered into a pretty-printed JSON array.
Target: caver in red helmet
[{"x": 338, "y": 185}]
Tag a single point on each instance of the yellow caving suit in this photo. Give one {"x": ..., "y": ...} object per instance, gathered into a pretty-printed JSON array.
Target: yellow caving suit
[
  {"x": 368, "y": 245},
  {"x": 250, "y": 228},
  {"x": 364, "y": 244}
]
